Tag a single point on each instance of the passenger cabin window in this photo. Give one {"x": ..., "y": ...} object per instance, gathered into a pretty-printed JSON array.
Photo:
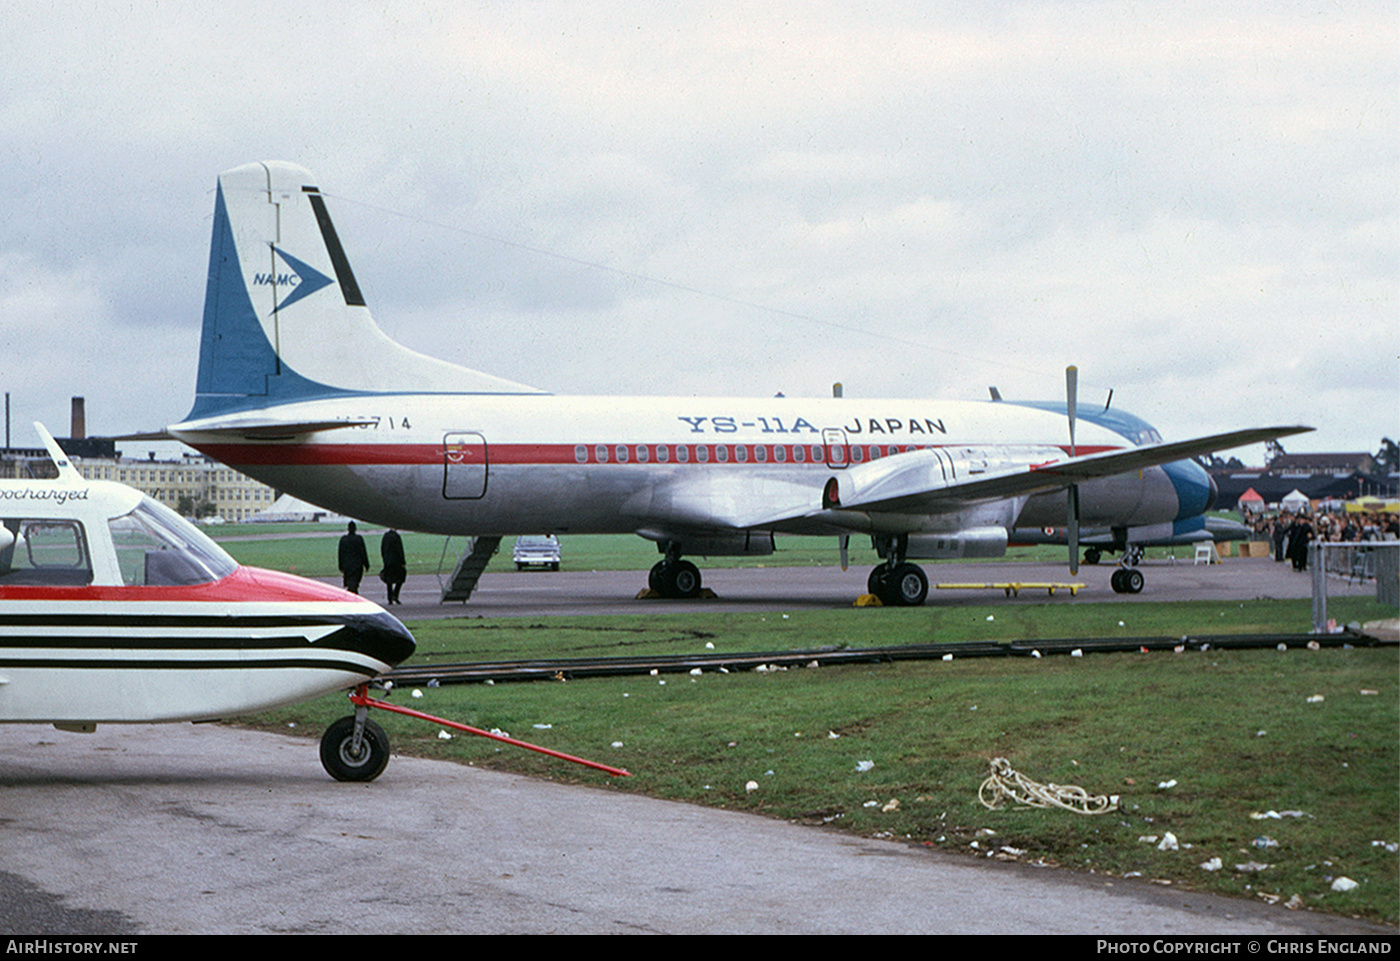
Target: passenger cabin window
[
  {"x": 45, "y": 553},
  {"x": 157, "y": 547}
]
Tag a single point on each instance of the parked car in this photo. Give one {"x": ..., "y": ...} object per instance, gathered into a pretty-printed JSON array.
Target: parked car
[{"x": 537, "y": 550}]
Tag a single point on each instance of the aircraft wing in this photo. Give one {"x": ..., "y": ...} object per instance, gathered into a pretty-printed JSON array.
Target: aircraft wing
[
  {"x": 917, "y": 482},
  {"x": 917, "y": 485}
]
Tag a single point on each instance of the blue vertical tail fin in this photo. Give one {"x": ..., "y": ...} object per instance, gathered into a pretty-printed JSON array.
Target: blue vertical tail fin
[{"x": 284, "y": 317}]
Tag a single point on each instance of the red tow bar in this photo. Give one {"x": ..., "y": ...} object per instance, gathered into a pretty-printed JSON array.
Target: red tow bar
[{"x": 361, "y": 698}]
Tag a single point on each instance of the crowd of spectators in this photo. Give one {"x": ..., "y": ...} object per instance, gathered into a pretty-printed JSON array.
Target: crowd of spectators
[{"x": 1291, "y": 533}]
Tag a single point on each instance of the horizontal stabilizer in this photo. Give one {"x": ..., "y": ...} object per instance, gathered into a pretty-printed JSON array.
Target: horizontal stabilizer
[
  {"x": 257, "y": 426},
  {"x": 143, "y": 436}
]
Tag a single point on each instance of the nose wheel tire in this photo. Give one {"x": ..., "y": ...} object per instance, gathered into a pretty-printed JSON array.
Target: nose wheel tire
[
  {"x": 341, "y": 759},
  {"x": 1127, "y": 580}
]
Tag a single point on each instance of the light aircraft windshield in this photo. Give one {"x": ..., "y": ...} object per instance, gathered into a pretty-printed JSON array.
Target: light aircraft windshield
[{"x": 157, "y": 547}]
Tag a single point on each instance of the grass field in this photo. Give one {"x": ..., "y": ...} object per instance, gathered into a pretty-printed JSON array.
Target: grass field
[
  {"x": 310, "y": 550},
  {"x": 900, "y": 750}
]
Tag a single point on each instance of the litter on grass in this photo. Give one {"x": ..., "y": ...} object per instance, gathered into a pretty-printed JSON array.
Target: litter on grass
[{"x": 1005, "y": 784}]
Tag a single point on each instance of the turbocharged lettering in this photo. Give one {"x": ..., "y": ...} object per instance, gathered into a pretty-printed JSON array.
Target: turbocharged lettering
[{"x": 57, "y": 494}]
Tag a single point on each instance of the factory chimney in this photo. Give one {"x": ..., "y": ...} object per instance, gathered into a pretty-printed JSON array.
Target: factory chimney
[{"x": 78, "y": 430}]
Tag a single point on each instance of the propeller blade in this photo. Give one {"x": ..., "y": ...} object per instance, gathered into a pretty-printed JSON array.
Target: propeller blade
[
  {"x": 1072, "y": 508},
  {"x": 1073, "y": 528},
  {"x": 1071, "y": 402}
]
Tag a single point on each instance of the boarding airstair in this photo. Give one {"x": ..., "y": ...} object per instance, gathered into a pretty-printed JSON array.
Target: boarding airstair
[{"x": 469, "y": 567}]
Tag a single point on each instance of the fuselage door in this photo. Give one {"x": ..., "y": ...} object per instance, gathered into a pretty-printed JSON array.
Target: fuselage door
[
  {"x": 464, "y": 465},
  {"x": 838, "y": 453}
]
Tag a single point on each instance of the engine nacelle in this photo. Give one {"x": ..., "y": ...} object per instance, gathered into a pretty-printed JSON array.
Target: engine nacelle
[
  {"x": 908, "y": 476},
  {"x": 972, "y": 543},
  {"x": 714, "y": 545}
]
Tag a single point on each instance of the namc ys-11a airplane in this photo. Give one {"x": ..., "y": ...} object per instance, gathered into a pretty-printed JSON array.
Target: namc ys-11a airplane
[
  {"x": 299, "y": 388},
  {"x": 114, "y": 609}
]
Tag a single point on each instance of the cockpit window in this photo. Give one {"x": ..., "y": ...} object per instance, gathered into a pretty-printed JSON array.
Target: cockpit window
[
  {"x": 47, "y": 553},
  {"x": 155, "y": 547}
]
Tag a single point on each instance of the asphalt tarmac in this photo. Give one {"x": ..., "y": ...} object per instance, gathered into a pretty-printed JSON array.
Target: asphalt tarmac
[
  {"x": 205, "y": 829},
  {"x": 535, "y": 593}
]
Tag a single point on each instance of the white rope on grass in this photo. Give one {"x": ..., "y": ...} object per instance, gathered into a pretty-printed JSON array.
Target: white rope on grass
[{"x": 1004, "y": 784}]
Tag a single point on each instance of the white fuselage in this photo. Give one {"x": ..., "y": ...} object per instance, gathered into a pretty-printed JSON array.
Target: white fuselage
[{"x": 491, "y": 464}]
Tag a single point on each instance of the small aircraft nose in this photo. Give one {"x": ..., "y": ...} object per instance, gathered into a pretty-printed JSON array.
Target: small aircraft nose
[{"x": 382, "y": 636}]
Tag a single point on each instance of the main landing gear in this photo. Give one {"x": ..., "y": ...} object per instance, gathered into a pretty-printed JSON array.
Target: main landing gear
[
  {"x": 675, "y": 578},
  {"x": 898, "y": 583}
]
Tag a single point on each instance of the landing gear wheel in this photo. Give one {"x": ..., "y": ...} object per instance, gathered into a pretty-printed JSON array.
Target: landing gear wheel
[
  {"x": 680, "y": 580},
  {"x": 343, "y": 762},
  {"x": 1127, "y": 580},
  {"x": 905, "y": 586}
]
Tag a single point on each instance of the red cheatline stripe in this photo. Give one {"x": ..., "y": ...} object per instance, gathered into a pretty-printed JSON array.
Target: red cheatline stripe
[{"x": 251, "y": 454}]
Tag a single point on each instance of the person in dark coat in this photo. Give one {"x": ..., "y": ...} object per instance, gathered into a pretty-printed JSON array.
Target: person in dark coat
[
  {"x": 395, "y": 565},
  {"x": 1280, "y": 536},
  {"x": 354, "y": 559},
  {"x": 1298, "y": 543}
]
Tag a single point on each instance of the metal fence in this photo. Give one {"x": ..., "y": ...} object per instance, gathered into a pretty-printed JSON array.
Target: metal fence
[{"x": 1361, "y": 563}]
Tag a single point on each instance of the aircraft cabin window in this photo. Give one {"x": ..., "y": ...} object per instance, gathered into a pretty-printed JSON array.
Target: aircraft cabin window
[
  {"x": 157, "y": 547},
  {"x": 49, "y": 553}
]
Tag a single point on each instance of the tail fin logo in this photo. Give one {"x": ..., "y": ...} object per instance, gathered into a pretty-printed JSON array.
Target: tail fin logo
[{"x": 304, "y": 279}]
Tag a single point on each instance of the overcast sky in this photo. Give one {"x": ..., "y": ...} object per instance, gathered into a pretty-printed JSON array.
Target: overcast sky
[{"x": 1196, "y": 203}]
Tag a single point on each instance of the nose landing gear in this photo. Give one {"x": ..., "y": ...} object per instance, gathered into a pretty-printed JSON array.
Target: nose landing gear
[{"x": 1126, "y": 580}]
